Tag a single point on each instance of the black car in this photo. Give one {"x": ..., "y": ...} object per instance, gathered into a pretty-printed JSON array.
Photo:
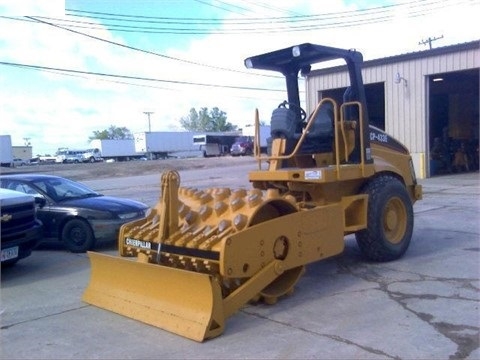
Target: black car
[{"x": 74, "y": 214}]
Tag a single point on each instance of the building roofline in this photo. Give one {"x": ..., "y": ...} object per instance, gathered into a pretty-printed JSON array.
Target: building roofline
[{"x": 403, "y": 57}]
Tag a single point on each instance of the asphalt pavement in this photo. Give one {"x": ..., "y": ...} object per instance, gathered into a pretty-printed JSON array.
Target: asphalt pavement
[{"x": 423, "y": 306}]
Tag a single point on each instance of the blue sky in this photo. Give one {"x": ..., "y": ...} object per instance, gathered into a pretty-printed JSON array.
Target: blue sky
[{"x": 55, "y": 108}]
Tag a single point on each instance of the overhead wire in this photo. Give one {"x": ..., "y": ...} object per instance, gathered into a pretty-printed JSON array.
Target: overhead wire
[
  {"x": 369, "y": 15},
  {"x": 202, "y": 26},
  {"x": 139, "y": 78},
  {"x": 145, "y": 51},
  {"x": 419, "y": 7},
  {"x": 222, "y": 7}
]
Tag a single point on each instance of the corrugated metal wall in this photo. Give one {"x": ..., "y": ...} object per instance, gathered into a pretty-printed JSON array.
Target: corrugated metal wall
[{"x": 406, "y": 103}]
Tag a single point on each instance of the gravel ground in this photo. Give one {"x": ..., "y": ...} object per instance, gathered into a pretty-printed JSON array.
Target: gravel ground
[{"x": 89, "y": 171}]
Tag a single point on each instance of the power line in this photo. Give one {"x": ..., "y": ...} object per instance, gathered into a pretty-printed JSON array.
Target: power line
[
  {"x": 270, "y": 7},
  {"x": 201, "y": 26},
  {"x": 222, "y": 7},
  {"x": 72, "y": 71},
  {"x": 413, "y": 7},
  {"x": 146, "y": 51}
]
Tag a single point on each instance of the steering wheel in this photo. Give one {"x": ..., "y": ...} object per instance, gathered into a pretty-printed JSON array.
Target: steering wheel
[{"x": 292, "y": 106}]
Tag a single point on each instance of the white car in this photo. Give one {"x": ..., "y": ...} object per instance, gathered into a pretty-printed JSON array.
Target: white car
[{"x": 19, "y": 162}]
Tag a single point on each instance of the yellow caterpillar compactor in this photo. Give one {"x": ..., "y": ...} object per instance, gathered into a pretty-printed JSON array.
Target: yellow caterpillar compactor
[{"x": 203, "y": 254}]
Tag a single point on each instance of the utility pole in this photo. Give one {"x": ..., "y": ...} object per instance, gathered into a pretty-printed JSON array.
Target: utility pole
[
  {"x": 429, "y": 41},
  {"x": 148, "y": 113}
]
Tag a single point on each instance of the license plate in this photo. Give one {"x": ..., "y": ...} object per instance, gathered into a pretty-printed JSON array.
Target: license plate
[{"x": 10, "y": 253}]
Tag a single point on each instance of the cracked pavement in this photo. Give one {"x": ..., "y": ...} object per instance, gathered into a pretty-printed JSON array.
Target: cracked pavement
[{"x": 425, "y": 305}]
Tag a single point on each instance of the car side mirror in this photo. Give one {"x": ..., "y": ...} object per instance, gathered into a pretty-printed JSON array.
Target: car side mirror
[{"x": 40, "y": 201}]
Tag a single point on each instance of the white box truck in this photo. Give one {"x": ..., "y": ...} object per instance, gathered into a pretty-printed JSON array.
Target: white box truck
[{"x": 116, "y": 150}]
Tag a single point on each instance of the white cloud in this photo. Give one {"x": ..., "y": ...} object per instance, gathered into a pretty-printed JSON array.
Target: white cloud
[
  {"x": 57, "y": 110},
  {"x": 32, "y": 7}
]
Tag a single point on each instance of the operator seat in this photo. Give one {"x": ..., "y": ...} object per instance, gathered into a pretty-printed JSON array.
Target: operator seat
[{"x": 319, "y": 138}]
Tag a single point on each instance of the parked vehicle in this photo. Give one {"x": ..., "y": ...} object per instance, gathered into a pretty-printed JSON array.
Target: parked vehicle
[
  {"x": 243, "y": 145},
  {"x": 67, "y": 156},
  {"x": 74, "y": 214},
  {"x": 19, "y": 162},
  {"x": 112, "y": 150},
  {"x": 92, "y": 155},
  {"x": 214, "y": 144},
  {"x": 164, "y": 144},
  {"x": 264, "y": 135},
  {"x": 20, "y": 228}
]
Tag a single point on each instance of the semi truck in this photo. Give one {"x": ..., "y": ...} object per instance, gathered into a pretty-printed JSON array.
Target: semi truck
[
  {"x": 114, "y": 150},
  {"x": 164, "y": 144}
]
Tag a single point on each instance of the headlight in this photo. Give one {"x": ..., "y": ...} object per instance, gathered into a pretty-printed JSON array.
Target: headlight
[{"x": 127, "y": 216}]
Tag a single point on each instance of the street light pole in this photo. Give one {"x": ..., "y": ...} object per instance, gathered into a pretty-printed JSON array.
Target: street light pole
[{"x": 148, "y": 113}]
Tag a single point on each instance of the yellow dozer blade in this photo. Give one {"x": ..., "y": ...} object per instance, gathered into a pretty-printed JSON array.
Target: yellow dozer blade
[{"x": 186, "y": 303}]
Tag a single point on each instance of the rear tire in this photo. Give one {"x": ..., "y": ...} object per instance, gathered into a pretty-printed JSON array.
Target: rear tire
[
  {"x": 389, "y": 220},
  {"x": 78, "y": 236}
]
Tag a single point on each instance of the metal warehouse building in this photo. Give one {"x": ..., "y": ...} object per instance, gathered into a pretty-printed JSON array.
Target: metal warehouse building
[{"x": 427, "y": 99}]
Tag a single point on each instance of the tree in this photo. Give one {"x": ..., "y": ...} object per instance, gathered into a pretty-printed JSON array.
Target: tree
[
  {"x": 214, "y": 120},
  {"x": 112, "y": 133}
]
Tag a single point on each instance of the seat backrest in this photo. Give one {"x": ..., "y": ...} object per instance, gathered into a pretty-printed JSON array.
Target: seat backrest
[
  {"x": 319, "y": 138},
  {"x": 322, "y": 127}
]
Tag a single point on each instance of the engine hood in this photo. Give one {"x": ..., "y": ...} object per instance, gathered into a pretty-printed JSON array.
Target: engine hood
[{"x": 106, "y": 203}]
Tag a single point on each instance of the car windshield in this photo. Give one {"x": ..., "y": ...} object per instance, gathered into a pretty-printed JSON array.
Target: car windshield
[{"x": 60, "y": 189}]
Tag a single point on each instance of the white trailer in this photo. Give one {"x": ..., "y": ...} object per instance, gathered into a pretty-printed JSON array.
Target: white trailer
[
  {"x": 116, "y": 150},
  {"x": 164, "y": 144},
  {"x": 6, "y": 153}
]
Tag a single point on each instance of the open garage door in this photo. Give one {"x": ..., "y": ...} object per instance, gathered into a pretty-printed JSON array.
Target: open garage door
[{"x": 453, "y": 122}]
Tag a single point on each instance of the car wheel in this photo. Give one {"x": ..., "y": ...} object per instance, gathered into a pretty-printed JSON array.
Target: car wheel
[{"x": 78, "y": 236}]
